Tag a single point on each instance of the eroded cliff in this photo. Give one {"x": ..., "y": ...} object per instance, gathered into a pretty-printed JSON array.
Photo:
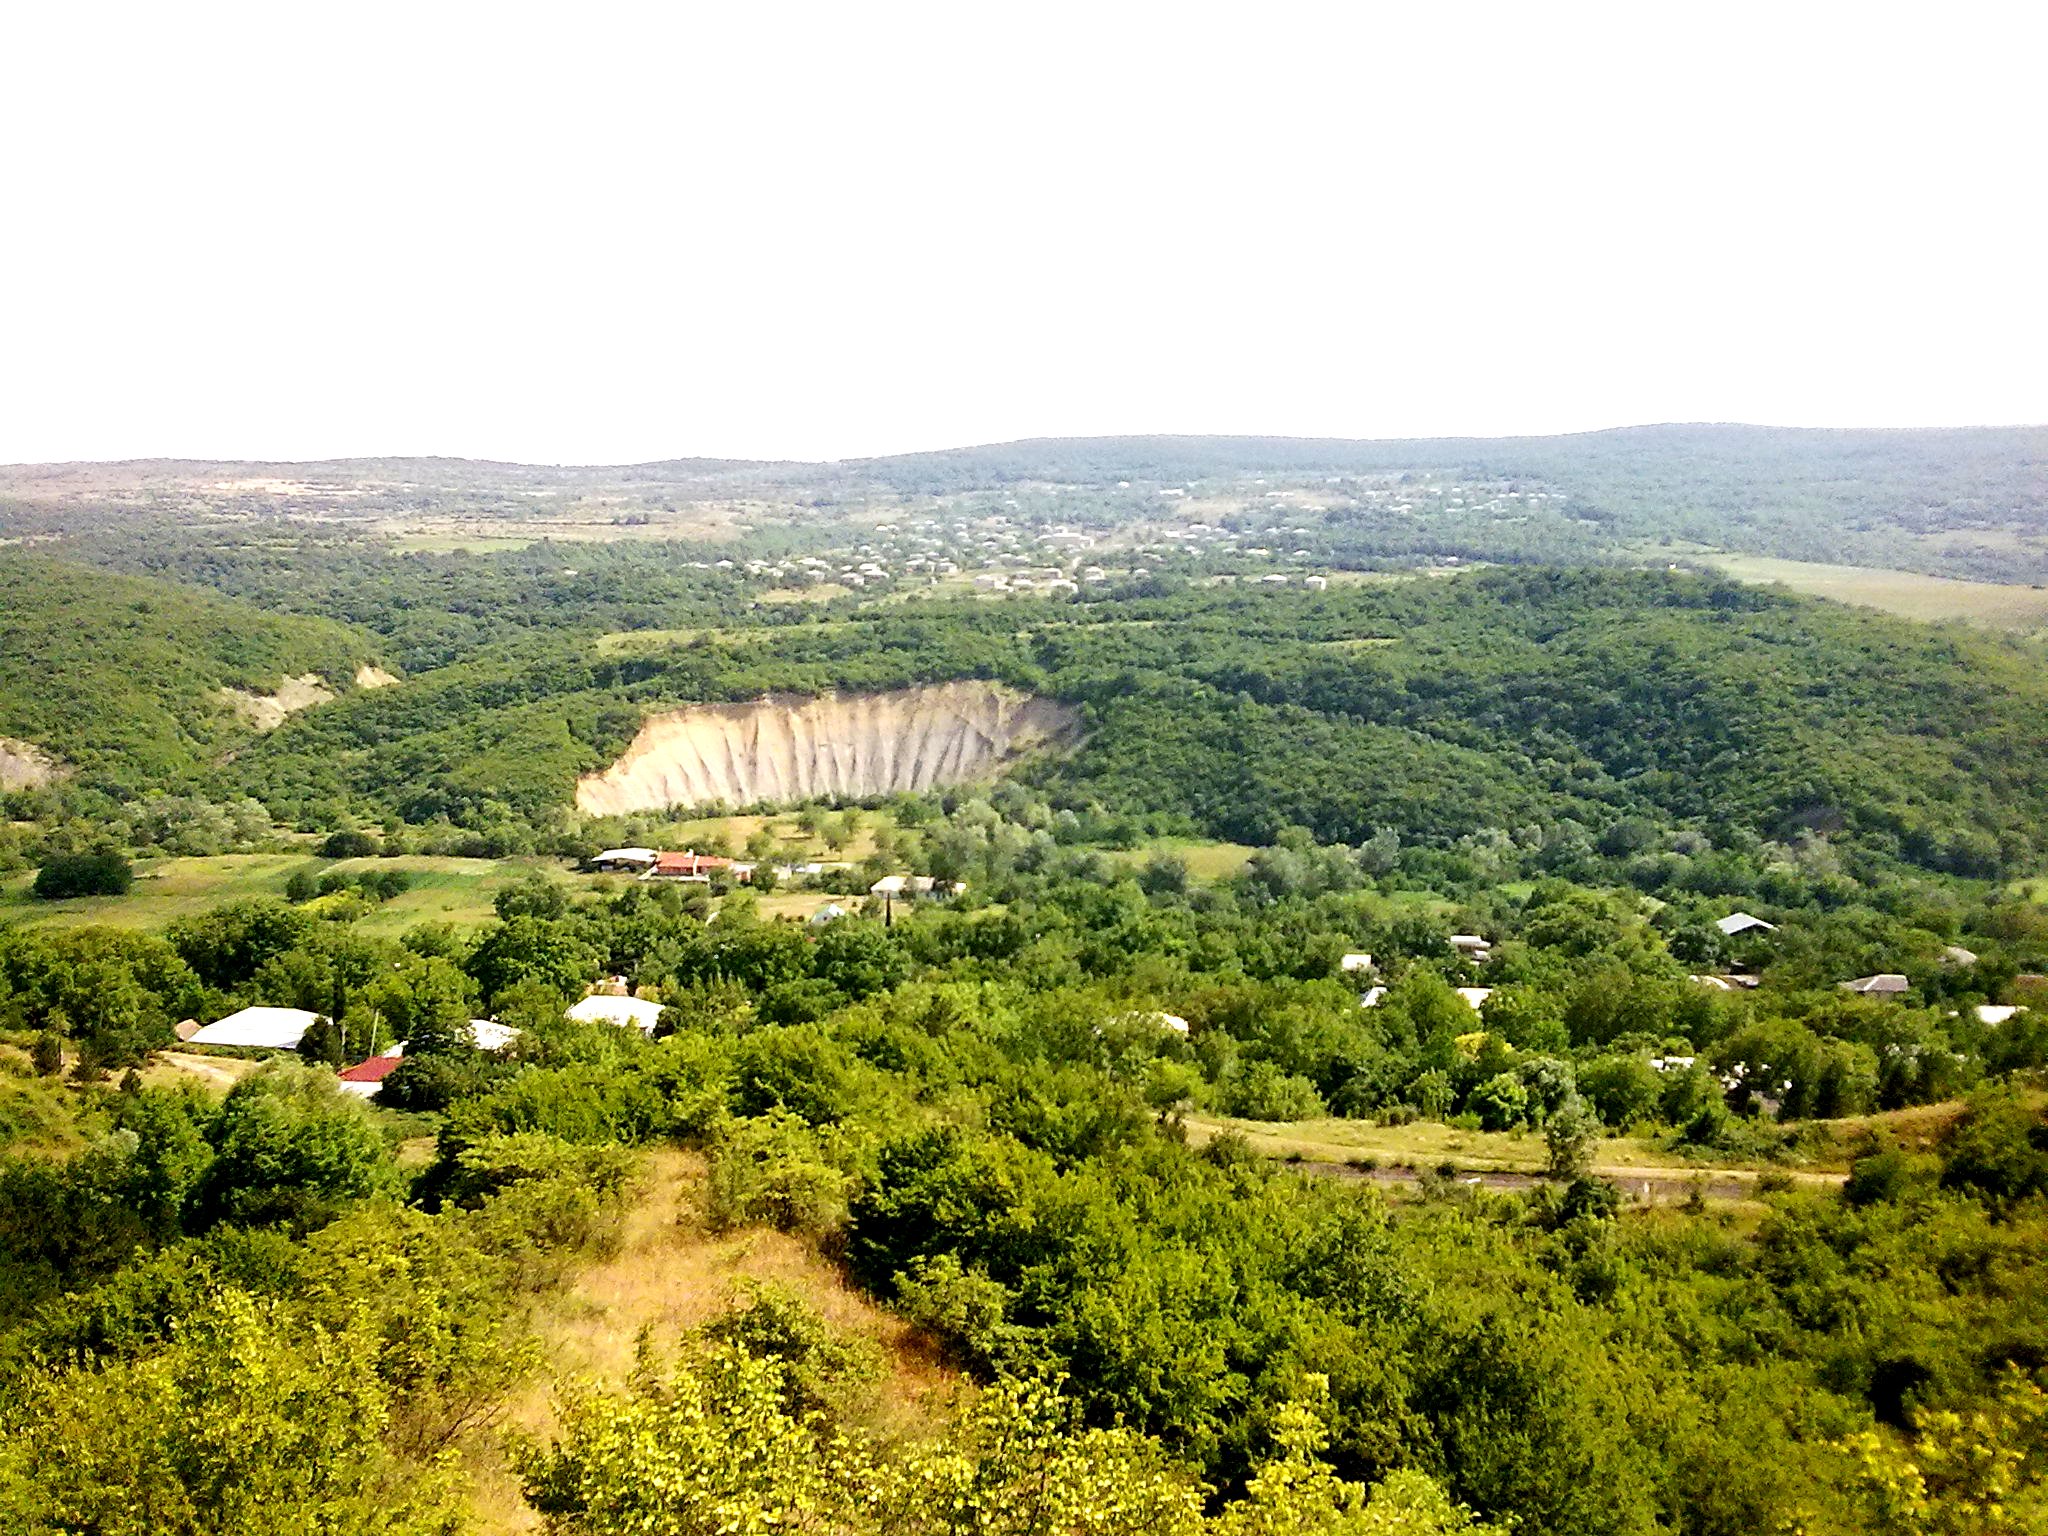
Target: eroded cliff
[{"x": 849, "y": 746}]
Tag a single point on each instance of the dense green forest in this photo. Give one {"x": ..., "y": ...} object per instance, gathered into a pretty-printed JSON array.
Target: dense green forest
[
  {"x": 1549, "y": 708},
  {"x": 1121, "y": 1191},
  {"x": 121, "y": 678}
]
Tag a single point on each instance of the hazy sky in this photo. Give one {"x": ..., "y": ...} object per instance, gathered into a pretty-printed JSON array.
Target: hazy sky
[{"x": 581, "y": 232}]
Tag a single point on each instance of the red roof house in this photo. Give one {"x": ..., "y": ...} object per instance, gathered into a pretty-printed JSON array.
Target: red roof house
[{"x": 366, "y": 1078}]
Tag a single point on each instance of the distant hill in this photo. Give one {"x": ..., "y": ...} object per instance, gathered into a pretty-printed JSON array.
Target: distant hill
[
  {"x": 125, "y": 681},
  {"x": 1969, "y": 502}
]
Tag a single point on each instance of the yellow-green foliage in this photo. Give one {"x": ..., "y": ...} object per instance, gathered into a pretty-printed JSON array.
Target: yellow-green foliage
[
  {"x": 1980, "y": 1473},
  {"x": 712, "y": 1447},
  {"x": 239, "y": 1428}
]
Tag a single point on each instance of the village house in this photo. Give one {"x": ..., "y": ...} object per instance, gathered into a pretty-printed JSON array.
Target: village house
[
  {"x": 614, "y": 861},
  {"x": 366, "y": 1078},
  {"x": 636, "y": 1012},
  {"x": 1743, "y": 922},
  {"x": 273, "y": 1029},
  {"x": 912, "y": 887},
  {"x": 690, "y": 866},
  {"x": 1884, "y": 984}
]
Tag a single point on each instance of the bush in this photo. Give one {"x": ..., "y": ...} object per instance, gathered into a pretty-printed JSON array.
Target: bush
[
  {"x": 83, "y": 874},
  {"x": 770, "y": 1170},
  {"x": 1267, "y": 1093},
  {"x": 290, "y": 1148},
  {"x": 774, "y": 1323},
  {"x": 350, "y": 845}
]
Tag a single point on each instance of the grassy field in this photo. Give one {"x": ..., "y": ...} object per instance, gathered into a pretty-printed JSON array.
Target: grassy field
[
  {"x": 1428, "y": 1143},
  {"x": 1205, "y": 860},
  {"x": 449, "y": 890},
  {"x": 730, "y": 833},
  {"x": 165, "y": 890},
  {"x": 1906, "y": 593}
]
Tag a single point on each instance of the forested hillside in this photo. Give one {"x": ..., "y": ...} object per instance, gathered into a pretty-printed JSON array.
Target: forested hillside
[
  {"x": 122, "y": 678},
  {"x": 1550, "y": 708}
]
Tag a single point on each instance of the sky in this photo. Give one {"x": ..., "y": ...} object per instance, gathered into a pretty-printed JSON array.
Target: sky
[{"x": 604, "y": 233}]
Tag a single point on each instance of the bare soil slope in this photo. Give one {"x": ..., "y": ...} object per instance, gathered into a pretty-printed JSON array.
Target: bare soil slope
[
  {"x": 24, "y": 765},
  {"x": 787, "y": 747},
  {"x": 267, "y": 711}
]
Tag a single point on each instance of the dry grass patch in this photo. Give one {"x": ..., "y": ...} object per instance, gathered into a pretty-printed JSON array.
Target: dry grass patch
[{"x": 668, "y": 1276}]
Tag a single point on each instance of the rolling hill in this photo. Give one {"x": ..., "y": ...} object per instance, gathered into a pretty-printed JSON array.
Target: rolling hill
[{"x": 132, "y": 683}]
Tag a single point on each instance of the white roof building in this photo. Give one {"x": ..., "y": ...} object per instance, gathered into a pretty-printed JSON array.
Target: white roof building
[
  {"x": 626, "y": 858},
  {"x": 830, "y": 912},
  {"x": 915, "y": 885},
  {"x": 271, "y": 1029},
  {"x": 1996, "y": 1013},
  {"x": 1354, "y": 962},
  {"x": 490, "y": 1035},
  {"x": 1475, "y": 997},
  {"x": 1743, "y": 922},
  {"x": 622, "y": 1011}
]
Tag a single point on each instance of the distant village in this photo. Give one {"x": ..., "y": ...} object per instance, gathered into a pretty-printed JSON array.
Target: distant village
[
  {"x": 611, "y": 1001},
  {"x": 1043, "y": 540}
]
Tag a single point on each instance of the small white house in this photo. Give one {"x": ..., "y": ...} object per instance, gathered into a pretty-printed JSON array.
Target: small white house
[
  {"x": 1471, "y": 945},
  {"x": 1475, "y": 997},
  {"x": 1157, "y": 1018},
  {"x": 1743, "y": 922},
  {"x": 1370, "y": 998},
  {"x": 1996, "y": 1013},
  {"x": 623, "y": 1011},
  {"x": 910, "y": 887},
  {"x": 272, "y": 1029},
  {"x": 831, "y": 912},
  {"x": 490, "y": 1035},
  {"x": 1354, "y": 962}
]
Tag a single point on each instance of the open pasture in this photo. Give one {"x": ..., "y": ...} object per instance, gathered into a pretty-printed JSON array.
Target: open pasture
[{"x": 1909, "y": 594}]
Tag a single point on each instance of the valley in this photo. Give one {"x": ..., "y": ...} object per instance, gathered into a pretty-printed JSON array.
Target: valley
[{"x": 1292, "y": 985}]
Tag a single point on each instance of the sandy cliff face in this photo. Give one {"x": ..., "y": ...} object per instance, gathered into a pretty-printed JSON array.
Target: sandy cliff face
[
  {"x": 24, "y": 765},
  {"x": 267, "y": 711},
  {"x": 785, "y": 748}
]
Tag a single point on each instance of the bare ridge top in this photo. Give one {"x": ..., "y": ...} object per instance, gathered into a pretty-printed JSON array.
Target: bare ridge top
[{"x": 788, "y": 747}]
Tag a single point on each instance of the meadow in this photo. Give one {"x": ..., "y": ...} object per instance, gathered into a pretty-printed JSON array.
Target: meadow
[
  {"x": 443, "y": 890},
  {"x": 1909, "y": 594}
]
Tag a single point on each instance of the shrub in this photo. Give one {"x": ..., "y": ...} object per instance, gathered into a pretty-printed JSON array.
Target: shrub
[
  {"x": 1265, "y": 1092},
  {"x": 1888, "y": 1175},
  {"x": 83, "y": 874},
  {"x": 774, "y": 1323},
  {"x": 770, "y": 1170},
  {"x": 350, "y": 844}
]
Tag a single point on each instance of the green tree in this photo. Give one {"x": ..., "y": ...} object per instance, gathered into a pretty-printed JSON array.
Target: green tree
[{"x": 290, "y": 1147}]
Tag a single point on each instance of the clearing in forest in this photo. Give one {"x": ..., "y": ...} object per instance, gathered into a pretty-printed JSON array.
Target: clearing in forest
[{"x": 1909, "y": 594}]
